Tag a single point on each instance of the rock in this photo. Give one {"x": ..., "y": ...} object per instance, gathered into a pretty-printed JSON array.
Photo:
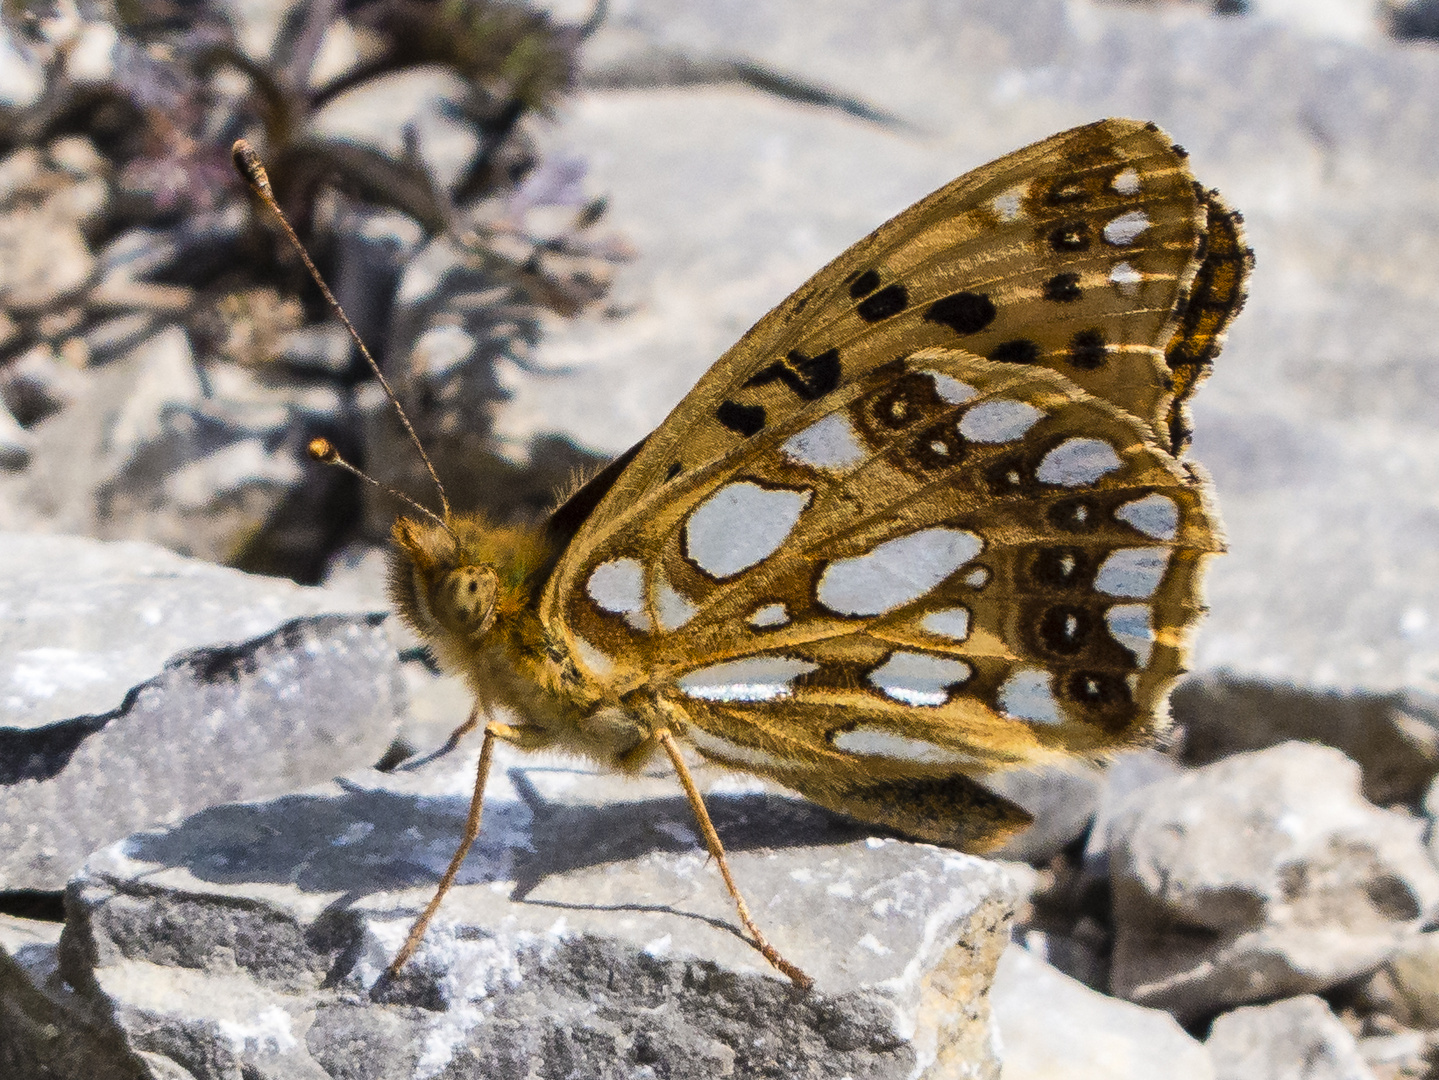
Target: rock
[
  {"x": 415, "y": 111},
  {"x": 1347, "y": 20},
  {"x": 40, "y": 1035},
  {"x": 203, "y": 243},
  {"x": 321, "y": 349},
  {"x": 1081, "y": 955},
  {"x": 1262, "y": 875},
  {"x": 1414, "y": 973},
  {"x": 1396, "y": 1056},
  {"x": 43, "y": 253},
  {"x": 141, "y": 686},
  {"x": 37, "y": 383},
  {"x": 374, "y": 247},
  {"x": 14, "y": 441},
  {"x": 1051, "y": 1026},
  {"x": 1297, "y": 1038},
  {"x": 109, "y": 339},
  {"x": 1123, "y": 776},
  {"x": 1414, "y": 19},
  {"x": 150, "y": 451},
  {"x": 1431, "y": 814},
  {"x": 587, "y": 936},
  {"x": 1394, "y": 736},
  {"x": 22, "y": 76}
]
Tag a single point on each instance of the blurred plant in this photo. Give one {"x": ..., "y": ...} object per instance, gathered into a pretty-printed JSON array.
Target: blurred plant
[
  {"x": 180, "y": 85},
  {"x": 446, "y": 266}
]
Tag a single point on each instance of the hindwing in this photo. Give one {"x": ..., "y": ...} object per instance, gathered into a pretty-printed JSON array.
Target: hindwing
[{"x": 928, "y": 519}]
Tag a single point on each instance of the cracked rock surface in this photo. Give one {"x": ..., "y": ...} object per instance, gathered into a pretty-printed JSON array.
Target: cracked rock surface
[
  {"x": 140, "y": 686},
  {"x": 586, "y": 937}
]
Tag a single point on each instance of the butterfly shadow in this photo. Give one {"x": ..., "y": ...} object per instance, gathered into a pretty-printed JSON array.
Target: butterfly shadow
[
  {"x": 362, "y": 840},
  {"x": 571, "y": 836}
]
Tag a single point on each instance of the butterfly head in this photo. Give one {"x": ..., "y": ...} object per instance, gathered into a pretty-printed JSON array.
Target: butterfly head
[{"x": 454, "y": 582}]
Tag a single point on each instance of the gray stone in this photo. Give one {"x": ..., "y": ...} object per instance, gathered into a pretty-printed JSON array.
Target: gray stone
[
  {"x": 1414, "y": 973},
  {"x": 1052, "y": 1027},
  {"x": 1262, "y": 875},
  {"x": 1296, "y": 1039},
  {"x": 14, "y": 441},
  {"x": 42, "y": 1031},
  {"x": 1431, "y": 814},
  {"x": 408, "y": 111},
  {"x": 141, "y": 686},
  {"x": 22, "y": 75},
  {"x": 1123, "y": 776},
  {"x": 322, "y": 348},
  {"x": 1400, "y": 1055},
  {"x": 37, "y": 383},
  {"x": 373, "y": 248},
  {"x": 1393, "y": 736},
  {"x": 111, "y": 338},
  {"x": 1081, "y": 954},
  {"x": 202, "y": 243},
  {"x": 150, "y": 451},
  {"x": 43, "y": 253},
  {"x": 587, "y": 936}
]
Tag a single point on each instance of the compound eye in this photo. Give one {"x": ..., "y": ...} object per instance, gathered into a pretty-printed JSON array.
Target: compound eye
[{"x": 465, "y": 599}]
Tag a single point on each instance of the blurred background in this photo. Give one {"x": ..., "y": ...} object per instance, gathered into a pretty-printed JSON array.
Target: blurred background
[{"x": 548, "y": 220}]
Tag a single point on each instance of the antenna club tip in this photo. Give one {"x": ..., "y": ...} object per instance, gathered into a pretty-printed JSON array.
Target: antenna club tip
[
  {"x": 249, "y": 166},
  {"x": 323, "y": 451}
]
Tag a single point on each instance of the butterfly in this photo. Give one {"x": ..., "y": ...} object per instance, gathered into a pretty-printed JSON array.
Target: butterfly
[{"x": 928, "y": 520}]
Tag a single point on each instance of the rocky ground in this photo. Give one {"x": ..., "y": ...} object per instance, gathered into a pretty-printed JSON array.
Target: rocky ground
[{"x": 215, "y": 827}]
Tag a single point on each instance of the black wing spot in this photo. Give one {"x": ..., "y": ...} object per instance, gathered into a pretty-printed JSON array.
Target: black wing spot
[
  {"x": 1019, "y": 351},
  {"x": 1008, "y": 476},
  {"x": 747, "y": 420},
  {"x": 863, "y": 285},
  {"x": 886, "y": 303},
  {"x": 1070, "y": 236},
  {"x": 810, "y": 377},
  {"x": 1063, "y": 288},
  {"x": 673, "y": 471},
  {"x": 1087, "y": 350},
  {"x": 1062, "y": 568},
  {"x": 1074, "y": 515},
  {"x": 1179, "y": 151},
  {"x": 962, "y": 312},
  {"x": 938, "y": 447},
  {"x": 1065, "y": 629},
  {"x": 1100, "y": 691}
]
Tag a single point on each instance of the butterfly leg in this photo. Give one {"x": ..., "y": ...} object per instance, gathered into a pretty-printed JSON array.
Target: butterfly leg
[
  {"x": 716, "y": 850},
  {"x": 493, "y": 730}
]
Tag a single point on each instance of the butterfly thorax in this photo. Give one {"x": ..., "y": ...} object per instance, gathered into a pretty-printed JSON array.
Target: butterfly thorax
[{"x": 469, "y": 589}]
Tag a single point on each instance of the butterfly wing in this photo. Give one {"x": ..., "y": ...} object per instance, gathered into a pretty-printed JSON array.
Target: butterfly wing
[
  {"x": 923, "y": 521},
  {"x": 1078, "y": 253}
]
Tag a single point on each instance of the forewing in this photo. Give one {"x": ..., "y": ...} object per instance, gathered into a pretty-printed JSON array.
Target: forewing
[{"x": 1076, "y": 254}]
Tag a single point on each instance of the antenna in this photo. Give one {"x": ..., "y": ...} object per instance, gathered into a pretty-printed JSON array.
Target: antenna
[
  {"x": 323, "y": 451},
  {"x": 249, "y": 166}
]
